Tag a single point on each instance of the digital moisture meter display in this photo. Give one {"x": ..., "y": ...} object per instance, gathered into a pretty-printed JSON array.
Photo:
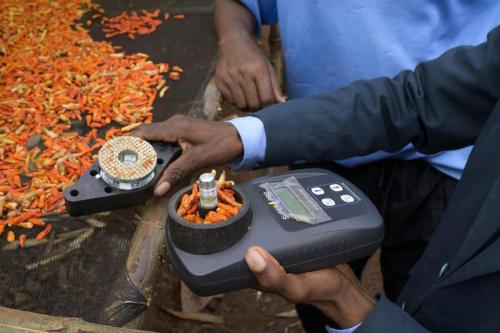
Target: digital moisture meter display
[{"x": 291, "y": 202}]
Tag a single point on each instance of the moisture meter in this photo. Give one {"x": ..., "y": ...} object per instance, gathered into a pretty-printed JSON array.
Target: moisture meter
[{"x": 307, "y": 219}]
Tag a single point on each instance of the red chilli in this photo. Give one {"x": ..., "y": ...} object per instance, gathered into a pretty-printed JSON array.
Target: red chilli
[
  {"x": 44, "y": 233},
  {"x": 22, "y": 241}
]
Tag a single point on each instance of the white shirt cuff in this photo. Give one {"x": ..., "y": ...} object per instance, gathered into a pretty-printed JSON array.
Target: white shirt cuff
[
  {"x": 253, "y": 136},
  {"x": 346, "y": 330}
]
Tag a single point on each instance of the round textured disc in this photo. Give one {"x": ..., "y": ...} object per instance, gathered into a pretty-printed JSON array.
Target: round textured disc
[{"x": 127, "y": 159}]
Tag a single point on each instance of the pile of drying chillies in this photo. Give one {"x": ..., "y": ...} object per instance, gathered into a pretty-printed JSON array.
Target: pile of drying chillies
[
  {"x": 52, "y": 74},
  {"x": 134, "y": 24}
]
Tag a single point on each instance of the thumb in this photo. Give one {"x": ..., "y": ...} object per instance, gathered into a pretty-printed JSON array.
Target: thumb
[
  {"x": 272, "y": 277},
  {"x": 182, "y": 167}
]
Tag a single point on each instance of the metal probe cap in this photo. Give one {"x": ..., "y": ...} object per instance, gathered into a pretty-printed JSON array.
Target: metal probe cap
[{"x": 208, "y": 191}]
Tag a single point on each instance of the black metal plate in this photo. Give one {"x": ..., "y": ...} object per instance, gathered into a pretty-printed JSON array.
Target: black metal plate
[{"x": 91, "y": 195}]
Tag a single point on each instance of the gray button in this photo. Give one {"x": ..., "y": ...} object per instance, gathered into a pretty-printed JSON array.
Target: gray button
[
  {"x": 336, "y": 187},
  {"x": 328, "y": 202},
  {"x": 347, "y": 198},
  {"x": 317, "y": 191},
  {"x": 403, "y": 305},
  {"x": 443, "y": 270}
]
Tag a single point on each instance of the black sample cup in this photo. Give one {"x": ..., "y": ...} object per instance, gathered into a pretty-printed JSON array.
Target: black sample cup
[{"x": 207, "y": 238}]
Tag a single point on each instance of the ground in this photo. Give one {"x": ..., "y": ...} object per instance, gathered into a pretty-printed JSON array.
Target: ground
[{"x": 242, "y": 311}]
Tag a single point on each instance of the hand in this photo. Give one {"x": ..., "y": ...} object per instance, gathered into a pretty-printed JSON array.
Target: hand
[
  {"x": 204, "y": 144},
  {"x": 334, "y": 291},
  {"x": 244, "y": 75}
]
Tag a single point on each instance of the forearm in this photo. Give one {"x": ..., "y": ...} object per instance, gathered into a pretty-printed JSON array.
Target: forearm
[
  {"x": 232, "y": 20},
  {"x": 442, "y": 105}
]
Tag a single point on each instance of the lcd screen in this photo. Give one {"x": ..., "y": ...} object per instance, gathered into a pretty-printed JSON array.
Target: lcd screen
[{"x": 290, "y": 200}]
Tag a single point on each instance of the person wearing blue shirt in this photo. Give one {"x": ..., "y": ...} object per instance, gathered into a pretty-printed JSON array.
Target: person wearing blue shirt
[{"x": 328, "y": 44}]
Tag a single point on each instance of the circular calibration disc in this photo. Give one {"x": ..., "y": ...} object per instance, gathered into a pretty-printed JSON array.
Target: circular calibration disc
[{"x": 127, "y": 162}]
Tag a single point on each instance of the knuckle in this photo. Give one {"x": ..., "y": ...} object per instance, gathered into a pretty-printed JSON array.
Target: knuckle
[
  {"x": 260, "y": 67},
  {"x": 249, "y": 71},
  {"x": 181, "y": 122},
  {"x": 177, "y": 117},
  {"x": 271, "y": 283},
  {"x": 220, "y": 75},
  {"x": 139, "y": 131},
  {"x": 244, "y": 69},
  {"x": 295, "y": 296},
  {"x": 235, "y": 73},
  {"x": 176, "y": 174},
  {"x": 219, "y": 81}
]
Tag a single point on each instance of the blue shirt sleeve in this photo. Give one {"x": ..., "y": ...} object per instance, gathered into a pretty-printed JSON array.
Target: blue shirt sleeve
[
  {"x": 253, "y": 136},
  {"x": 263, "y": 11},
  {"x": 347, "y": 330}
]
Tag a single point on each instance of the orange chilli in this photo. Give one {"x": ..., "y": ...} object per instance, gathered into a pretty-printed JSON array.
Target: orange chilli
[
  {"x": 44, "y": 233},
  {"x": 54, "y": 74}
]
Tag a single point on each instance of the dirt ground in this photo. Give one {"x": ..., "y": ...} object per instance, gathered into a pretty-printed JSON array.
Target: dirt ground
[{"x": 241, "y": 311}]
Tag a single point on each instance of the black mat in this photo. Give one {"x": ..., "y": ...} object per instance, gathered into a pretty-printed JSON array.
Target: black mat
[
  {"x": 79, "y": 269},
  {"x": 188, "y": 43}
]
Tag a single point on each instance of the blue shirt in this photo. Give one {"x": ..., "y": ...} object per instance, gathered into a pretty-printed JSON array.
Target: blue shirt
[{"x": 329, "y": 43}]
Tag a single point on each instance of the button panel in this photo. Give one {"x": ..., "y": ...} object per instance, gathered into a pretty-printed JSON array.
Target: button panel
[{"x": 334, "y": 194}]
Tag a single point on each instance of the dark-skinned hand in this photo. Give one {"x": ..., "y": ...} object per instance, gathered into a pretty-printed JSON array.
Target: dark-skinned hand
[
  {"x": 334, "y": 291},
  {"x": 204, "y": 144},
  {"x": 244, "y": 75}
]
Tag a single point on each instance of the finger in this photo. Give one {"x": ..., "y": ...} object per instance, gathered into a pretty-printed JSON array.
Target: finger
[
  {"x": 237, "y": 92},
  {"x": 168, "y": 130},
  {"x": 225, "y": 90},
  {"x": 345, "y": 269},
  {"x": 348, "y": 273},
  {"x": 265, "y": 90},
  {"x": 185, "y": 145},
  {"x": 276, "y": 88},
  {"x": 273, "y": 278},
  {"x": 182, "y": 167},
  {"x": 251, "y": 95}
]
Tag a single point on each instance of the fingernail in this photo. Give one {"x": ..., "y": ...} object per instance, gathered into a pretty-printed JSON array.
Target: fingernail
[
  {"x": 162, "y": 188},
  {"x": 255, "y": 261}
]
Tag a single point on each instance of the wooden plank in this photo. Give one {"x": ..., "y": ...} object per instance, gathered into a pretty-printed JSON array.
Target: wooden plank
[{"x": 22, "y": 321}]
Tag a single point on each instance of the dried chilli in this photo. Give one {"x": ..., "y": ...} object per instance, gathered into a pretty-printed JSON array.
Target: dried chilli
[
  {"x": 52, "y": 74},
  {"x": 227, "y": 207},
  {"x": 131, "y": 25},
  {"x": 134, "y": 24}
]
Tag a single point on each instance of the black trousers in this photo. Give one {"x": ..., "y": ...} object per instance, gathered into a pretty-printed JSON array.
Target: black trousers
[{"x": 411, "y": 197}]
